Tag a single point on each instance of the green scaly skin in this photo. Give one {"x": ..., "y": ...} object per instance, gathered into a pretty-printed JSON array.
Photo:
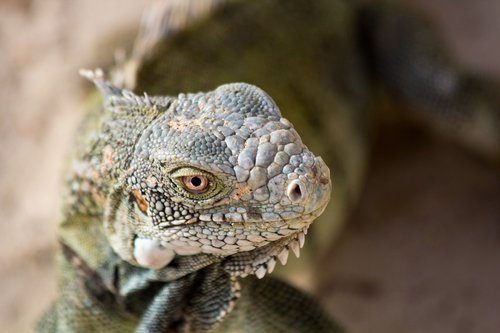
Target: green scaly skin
[{"x": 141, "y": 252}]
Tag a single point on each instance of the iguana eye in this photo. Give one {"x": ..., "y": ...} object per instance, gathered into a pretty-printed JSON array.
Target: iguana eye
[
  {"x": 196, "y": 184},
  {"x": 140, "y": 201}
]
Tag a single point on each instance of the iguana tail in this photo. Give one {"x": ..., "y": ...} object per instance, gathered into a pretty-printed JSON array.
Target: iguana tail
[{"x": 405, "y": 53}]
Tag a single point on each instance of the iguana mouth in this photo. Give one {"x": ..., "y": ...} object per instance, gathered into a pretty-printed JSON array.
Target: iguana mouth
[
  {"x": 294, "y": 223},
  {"x": 249, "y": 247},
  {"x": 237, "y": 219}
]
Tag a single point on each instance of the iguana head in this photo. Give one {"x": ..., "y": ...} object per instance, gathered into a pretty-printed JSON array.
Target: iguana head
[{"x": 220, "y": 173}]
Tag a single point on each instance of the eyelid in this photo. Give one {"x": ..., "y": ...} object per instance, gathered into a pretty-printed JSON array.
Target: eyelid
[
  {"x": 214, "y": 189},
  {"x": 185, "y": 172}
]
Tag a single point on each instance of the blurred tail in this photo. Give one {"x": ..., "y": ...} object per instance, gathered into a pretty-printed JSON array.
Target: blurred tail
[{"x": 405, "y": 52}]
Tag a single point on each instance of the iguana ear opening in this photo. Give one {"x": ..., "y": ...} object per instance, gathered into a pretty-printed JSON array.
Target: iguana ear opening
[{"x": 140, "y": 201}]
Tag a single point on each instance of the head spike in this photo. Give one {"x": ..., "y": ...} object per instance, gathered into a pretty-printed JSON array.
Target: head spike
[
  {"x": 119, "y": 100},
  {"x": 106, "y": 88}
]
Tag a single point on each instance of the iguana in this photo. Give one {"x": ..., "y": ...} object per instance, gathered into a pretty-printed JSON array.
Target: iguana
[{"x": 172, "y": 201}]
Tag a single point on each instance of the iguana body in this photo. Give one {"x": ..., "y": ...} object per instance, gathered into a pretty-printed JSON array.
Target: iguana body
[{"x": 147, "y": 247}]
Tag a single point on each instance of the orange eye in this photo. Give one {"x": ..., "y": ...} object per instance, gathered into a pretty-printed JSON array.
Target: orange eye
[
  {"x": 140, "y": 201},
  {"x": 196, "y": 184}
]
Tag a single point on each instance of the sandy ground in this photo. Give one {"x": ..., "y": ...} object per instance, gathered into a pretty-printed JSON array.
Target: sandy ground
[{"x": 431, "y": 265}]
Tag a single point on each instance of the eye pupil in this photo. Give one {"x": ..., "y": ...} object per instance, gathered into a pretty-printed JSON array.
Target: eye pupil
[
  {"x": 196, "y": 181},
  {"x": 196, "y": 184}
]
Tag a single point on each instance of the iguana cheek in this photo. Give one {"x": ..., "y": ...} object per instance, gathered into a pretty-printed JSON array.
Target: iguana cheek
[{"x": 151, "y": 254}]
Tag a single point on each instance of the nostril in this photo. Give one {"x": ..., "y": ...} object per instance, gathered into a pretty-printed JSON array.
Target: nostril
[{"x": 295, "y": 191}]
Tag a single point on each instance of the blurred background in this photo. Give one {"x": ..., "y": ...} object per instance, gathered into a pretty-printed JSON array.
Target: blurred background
[{"x": 420, "y": 254}]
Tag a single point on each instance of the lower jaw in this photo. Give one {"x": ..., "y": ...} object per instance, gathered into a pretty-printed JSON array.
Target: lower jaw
[{"x": 263, "y": 260}]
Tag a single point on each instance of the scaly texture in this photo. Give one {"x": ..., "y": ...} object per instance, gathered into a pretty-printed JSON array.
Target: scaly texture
[
  {"x": 196, "y": 190},
  {"x": 172, "y": 201}
]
